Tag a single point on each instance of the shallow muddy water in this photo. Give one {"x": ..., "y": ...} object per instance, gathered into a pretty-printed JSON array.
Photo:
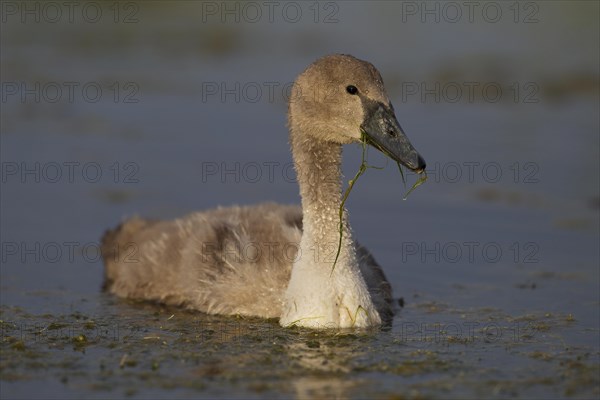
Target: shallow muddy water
[{"x": 159, "y": 109}]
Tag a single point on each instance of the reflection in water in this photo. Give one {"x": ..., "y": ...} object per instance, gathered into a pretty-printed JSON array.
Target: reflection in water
[
  {"x": 327, "y": 361},
  {"x": 315, "y": 355},
  {"x": 317, "y": 387}
]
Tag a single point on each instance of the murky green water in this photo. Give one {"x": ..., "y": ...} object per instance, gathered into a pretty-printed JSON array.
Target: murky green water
[
  {"x": 495, "y": 258},
  {"x": 433, "y": 350}
]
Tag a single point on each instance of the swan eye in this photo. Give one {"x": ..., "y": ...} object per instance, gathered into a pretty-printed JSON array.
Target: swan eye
[{"x": 351, "y": 89}]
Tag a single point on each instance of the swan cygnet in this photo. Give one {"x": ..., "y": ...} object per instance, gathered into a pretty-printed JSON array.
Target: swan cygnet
[{"x": 270, "y": 260}]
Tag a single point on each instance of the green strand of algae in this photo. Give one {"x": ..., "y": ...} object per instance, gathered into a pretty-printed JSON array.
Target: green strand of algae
[{"x": 361, "y": 170}]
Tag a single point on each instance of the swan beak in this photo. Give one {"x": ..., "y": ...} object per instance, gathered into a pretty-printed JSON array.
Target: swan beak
[{"x": 385, "y": 134}]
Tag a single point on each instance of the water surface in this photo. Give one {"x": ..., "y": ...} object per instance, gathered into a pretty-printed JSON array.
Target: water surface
[{"x": 495, "y": 258}]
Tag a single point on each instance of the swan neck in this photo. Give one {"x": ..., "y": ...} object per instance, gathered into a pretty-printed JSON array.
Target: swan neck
[
  {"x": 325, "y": 288},
  {"x": 318, "y": 169}
]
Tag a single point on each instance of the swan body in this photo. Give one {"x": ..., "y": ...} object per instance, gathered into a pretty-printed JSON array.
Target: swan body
[{"x": 271, "y": 260}]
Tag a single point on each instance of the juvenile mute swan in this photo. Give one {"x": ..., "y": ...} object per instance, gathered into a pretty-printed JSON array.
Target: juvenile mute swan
[{"x": 271, "y": 260}]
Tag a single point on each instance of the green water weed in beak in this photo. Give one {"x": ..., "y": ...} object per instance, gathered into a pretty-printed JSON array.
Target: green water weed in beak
[{"x": 364, "y": 139}]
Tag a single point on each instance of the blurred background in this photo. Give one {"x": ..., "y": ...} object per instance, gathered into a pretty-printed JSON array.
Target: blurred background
[{"x": 161, "y": 108}]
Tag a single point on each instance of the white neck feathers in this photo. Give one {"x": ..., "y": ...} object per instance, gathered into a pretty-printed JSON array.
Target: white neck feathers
[{"x": 320, "y": 295}]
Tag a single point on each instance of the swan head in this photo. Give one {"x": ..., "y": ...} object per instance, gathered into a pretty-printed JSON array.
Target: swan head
[{"x": 340, "y": 98}]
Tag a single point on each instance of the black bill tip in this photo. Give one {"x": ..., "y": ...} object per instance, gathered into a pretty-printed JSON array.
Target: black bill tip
[{"x": 420, "y": 164}]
